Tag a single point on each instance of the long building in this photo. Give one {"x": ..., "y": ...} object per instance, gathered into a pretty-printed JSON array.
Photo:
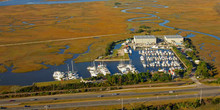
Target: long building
[
  {"x": 176, "y": 39},
  {"x": 145, "y": 39}
]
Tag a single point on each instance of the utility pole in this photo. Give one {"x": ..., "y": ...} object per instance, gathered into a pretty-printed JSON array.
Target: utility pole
[
  {"x": 122, "y": 104},
  {"x": 201, "y": 97}
]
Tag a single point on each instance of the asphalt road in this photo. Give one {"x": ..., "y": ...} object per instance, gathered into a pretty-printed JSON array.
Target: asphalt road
[
  {"x": 17, "y": 101},
  {"x": 119, "y": 101}
]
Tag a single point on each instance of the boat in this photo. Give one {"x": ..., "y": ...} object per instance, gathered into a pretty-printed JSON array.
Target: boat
[
  {"x": 102, "y": 69},
  {"x": 130, "y": 51},
  {"x": 92, "y": 70},
  {"x": 58, "y": 75},
  {"x": 69, "y": 75},
  {"x": 142, "y": 58},
  {"x": 161, "y": 70},
  {"x": 155, "y": 47},
  {"x": 122, "y": 68},
  {"x": 126, "y": 68},
  {"x": 72, "y": 74},
  {"x": 144, "y": 65}
]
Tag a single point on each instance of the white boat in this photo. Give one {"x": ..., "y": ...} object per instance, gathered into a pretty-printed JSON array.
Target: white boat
[
  {"x": 155, "y": 47},
  {"x": 130, "y": 51},
  {"x": 69, "y": 75},
  {"x": 126, "y": 68},
  {"x": 92, "y": 70},
  {"x": 142, "y": 58},
  {"x": 144, "y": 65},
  {"x": 122, "y": 68},
  {"x": 161, "y": 70},
  {"x": 58, "y": 75},
  {"x": 72, "y": 74},
  {"x": 102, "y": 69}
]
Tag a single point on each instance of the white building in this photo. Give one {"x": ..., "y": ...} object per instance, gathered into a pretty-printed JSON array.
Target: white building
[
  {"x": 145, "y": 39},
  {"x": 176, "y": 39}
]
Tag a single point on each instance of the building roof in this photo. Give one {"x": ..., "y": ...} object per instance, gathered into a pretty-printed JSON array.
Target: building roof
[
  {"x": 172, "y": 36},
  {"x": 144, "y": 37}
]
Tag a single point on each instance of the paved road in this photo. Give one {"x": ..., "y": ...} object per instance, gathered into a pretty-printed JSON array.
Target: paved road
[
  {"x": 119, "y": 101},
  {"x": 86, "y": 95},
  {"x": 82, "y": 96},
  {"x": 56, "y": 40}
]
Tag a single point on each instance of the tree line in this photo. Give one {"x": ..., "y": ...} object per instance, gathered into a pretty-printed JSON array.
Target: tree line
[{"x": 108, "y": 80}]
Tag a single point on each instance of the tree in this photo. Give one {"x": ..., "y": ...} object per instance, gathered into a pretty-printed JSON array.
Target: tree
[
  {"x": 117, "y": 3},
  {"x": 202, "y": 70}
]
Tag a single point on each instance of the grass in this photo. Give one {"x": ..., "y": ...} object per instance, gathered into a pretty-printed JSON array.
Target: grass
[
  {"x": 96, "y": 18},
  {"x": 89, "y": 19},
  {"x": 40, "y": 84},
  {"x": 9, "y": 88},
  {"x": 115, "y": 55},
  {"x": 148, "y": 90}
]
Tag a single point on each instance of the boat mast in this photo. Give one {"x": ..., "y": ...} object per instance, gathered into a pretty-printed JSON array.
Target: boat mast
[
  {"x": 72, "y": 66},
  {"x": 94, "y": 64},
  {"x": 68, "y": 67}
]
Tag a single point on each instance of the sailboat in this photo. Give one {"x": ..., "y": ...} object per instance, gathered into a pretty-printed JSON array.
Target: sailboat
[{"x": 72, "y": 74}]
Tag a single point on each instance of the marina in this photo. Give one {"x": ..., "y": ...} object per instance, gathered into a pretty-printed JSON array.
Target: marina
[{"x": 143, "y": 60}]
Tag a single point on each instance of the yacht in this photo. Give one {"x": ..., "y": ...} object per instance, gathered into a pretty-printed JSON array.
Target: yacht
[
  {"x": 142, "y": 58},
  {"x": 103, "y": 69},
  {"x": 126, "y": 68},
  {"x": 69, "y": 75},
  {"x": 100, "y": 69},
  {"x": 93, "y": 71},
  {"x": 58, "y": 75}
]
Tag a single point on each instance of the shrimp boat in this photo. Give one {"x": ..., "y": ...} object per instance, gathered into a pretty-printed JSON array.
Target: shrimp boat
[{"x": 69, "y": 75}]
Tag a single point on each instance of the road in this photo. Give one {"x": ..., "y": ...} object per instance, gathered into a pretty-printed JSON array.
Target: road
[
  {"x": 209, "y": 91},
  {"x": 56, "y": 40},
  {"x": 206, "y": 93}
]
